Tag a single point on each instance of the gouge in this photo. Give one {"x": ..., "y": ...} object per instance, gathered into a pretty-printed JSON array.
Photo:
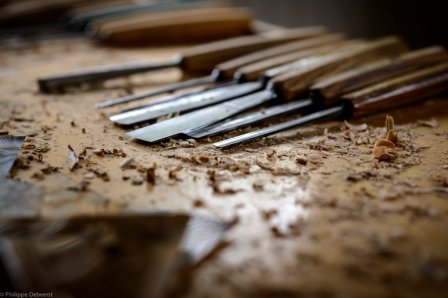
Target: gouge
[
  {"x": 195, "y": 60},
  {"x": 386, "y": 95},
  {"x": 225, "y": 71},
  {"x": 346, "y": 59},
  {"x": 209, "y": 97},
  {"x": 326, "y": 92}
]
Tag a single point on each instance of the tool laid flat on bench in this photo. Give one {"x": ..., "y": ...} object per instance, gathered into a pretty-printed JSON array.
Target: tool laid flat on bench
[
  {"x": 328, "y": 91},
  {"x": 212, "y": 96},
  {"x": 386, "y": 95},
  {"x": 225, "y": 71},
  {"x": 195, "y": 60},
  {"x": 277, "y": 88},
  {"x": 175, "y": 27},
  {"x": 79, "y": 19}
]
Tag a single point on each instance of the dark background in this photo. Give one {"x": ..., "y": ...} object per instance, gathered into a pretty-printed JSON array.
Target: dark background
[{"x": 421, "y": 23}]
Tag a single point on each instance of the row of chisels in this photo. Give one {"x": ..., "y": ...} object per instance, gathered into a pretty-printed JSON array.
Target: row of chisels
[{"x": 307, "y": 71}]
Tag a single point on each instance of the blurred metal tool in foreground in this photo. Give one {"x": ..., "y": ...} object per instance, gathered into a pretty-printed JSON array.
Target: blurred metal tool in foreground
[{"x": 151, "y": 255}]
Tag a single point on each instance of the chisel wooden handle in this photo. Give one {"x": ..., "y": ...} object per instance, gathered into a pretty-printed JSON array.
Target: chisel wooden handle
[
  {"x": 387, "y": 95},
  {"x": 256, "y": 70},
  {"x": 195, "y": 60},
  {"x": 329, "y": 91},
  {"x": 227, "y": 69},
  {"x": 201, "y": 59},
  {"x": 398, "y": 91},
  {"x": 293, "y": 83},
  {"x": 184, "y": 26}
]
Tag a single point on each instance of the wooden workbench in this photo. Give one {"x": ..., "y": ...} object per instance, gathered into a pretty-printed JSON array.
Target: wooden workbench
[{"x": 316, "y": 215}]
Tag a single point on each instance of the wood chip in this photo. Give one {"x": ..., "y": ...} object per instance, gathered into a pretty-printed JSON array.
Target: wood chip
[
  {"x": 151, "y": 175},
  {"x": 137, "y": 180},
  {"x": 429, "y": 123},
  {"x": 360, "y": 127},
  {"x": 128, "y": 164},
  {"x": 72, "y": 160}
]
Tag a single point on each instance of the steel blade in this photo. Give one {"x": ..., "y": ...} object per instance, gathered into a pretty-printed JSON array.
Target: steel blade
[
  {"x": 199, "y": 118},
  {"x": 186, "y": 103},
  {"x": 59, "y": 82},
  {"x": 321, "y": 115},
  {"x": 249, "y": 119},
  {"x": 158, "y": 91}
]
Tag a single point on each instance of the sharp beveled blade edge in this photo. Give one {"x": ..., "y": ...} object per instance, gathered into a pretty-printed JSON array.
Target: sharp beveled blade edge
[
  {"x": 222, "y": 127},
  {"x": 202, "y": 117},
  {"x": 186, "y": 103}
]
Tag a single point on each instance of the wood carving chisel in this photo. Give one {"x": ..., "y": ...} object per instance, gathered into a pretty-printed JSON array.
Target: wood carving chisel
[
  {"x": 200, "y": 24},
  {"x": 195, "y": 60},
  {"x": 328, "y": 91},
  {"x": 277, "y": 87},
  {"x": 225, "y": 71},
  {"x": 81, "y": 18},
  {"x": 215, "y": 95},
  {"x": 382, "y": 96}
]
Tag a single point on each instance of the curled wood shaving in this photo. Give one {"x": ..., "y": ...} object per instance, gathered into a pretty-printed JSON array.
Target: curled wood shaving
[
  {"x": 384, "y": 149},
  {"x": 430, "y": 123}
]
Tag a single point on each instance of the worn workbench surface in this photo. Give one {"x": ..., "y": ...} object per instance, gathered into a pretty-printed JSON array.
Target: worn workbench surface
[{"x": 316, "y": 215}]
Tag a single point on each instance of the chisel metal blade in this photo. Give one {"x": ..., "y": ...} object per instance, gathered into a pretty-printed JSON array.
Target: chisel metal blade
[
  {"x": 318, "y": 116},
  {"x": 222, "y": 127},
  {"x": 162, "y": 90},
  {"x": 186, "y": 103},
  {"x": 200, "y": 118}
]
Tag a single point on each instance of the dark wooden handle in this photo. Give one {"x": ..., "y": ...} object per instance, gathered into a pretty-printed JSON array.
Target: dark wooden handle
[
  {"x": 398, "y": 91},
  {"x": 203, "y": 58},
  {"x": 329, "y": 91},
  {"x": 184, "y": 26},
  {"x": 254, "y": 71},
  {"x": 227, "y": 69},
  {"x": 291, "y": 84}
]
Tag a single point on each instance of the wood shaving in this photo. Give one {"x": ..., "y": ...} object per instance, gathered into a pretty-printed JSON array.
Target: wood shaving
[
  {"x": 128, "y": 164},
  {"x": 360, "y": 127},
  {"x": 429, "y": 123},
  {"x": 114, "y": 152},
  {"x": 72, "y": 159},
  {"x": 151, "y": 175},
  {"x": 137, "y": 180},
  {"x": 384, "y": 149}
]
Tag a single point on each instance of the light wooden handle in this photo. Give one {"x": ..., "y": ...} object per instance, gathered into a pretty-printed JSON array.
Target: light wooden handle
[
  {"x": 203, "y": 58},
  {"x": 289, "y": 85},
  {"x": 227, "y": 69},
  {"x": 329, "y": 91},
  {"x": 184, "y": 26},
  {"x": 398, "y": 91}
]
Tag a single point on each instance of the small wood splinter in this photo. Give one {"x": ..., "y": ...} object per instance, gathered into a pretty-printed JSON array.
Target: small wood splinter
[{"x": 385, "y": 149}]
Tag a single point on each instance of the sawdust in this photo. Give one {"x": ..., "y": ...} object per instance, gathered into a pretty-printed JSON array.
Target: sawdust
[{"x": 314, "y": 211}]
